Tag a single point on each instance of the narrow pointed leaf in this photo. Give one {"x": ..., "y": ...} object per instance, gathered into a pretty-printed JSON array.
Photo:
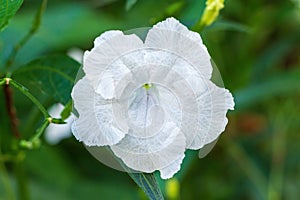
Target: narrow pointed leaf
[
  {"x": 279, "y": 85},
  {"x": 67, "y": 110},
  {"x": 130, "y": 3}
]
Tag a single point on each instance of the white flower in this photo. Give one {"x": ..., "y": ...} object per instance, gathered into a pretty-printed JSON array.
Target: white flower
[{"x": 149, "y": 101}]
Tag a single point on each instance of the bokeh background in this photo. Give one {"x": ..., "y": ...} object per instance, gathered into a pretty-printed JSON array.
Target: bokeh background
[{"x": 256, "y": 46}]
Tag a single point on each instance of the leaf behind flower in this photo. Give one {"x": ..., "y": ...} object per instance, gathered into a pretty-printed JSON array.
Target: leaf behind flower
[{"x": 53, "y": 75}]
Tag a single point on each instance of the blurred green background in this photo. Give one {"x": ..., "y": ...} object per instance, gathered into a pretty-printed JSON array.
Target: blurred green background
[{"x": 256, "y": 46}]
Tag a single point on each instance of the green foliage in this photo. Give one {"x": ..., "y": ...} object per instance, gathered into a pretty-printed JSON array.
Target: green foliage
[
  {"x": 8, "y": 9},
  {"x": 63, "y": 180},
  {"x": 53, "y": 75},
  {"x": 280, "y": 85},
  {"x": 256, "y": 49}
]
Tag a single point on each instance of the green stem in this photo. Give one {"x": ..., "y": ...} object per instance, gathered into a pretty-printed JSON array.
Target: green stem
[
  {"x": 278, "y": 156},
  {"x": 5, "y": 179},
  {"x": 40, "y": 130},
  {"x": 35, "y": 26},
  {"x": 24, "y": 90},
  {"x": 35, "y": 142},
  {"x": 34, "y": 116},
  {"x": 251, "y": 170},
  {"x": 66, "y": 112},
  {"x": 48, "y": 118},
  {"x": 198, "y": 27},
  {"x": 277, "y": 166},
  {"x": 21, "y": 181}
]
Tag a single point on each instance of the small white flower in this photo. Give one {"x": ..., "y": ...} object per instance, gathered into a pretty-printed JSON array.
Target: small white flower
[
  {"x": 75, "y": 53},
  {"x": 149, "y": 101},
  {"x": 57, "y": 132}
]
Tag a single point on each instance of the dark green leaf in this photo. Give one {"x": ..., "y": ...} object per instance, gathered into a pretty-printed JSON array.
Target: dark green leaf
[
  {"x": 8, "y": 9},
  {"x": 53, "y": 75}
]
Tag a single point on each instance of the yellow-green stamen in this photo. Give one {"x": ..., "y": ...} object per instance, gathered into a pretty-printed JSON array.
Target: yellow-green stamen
[{"x": 147, "y": 86}]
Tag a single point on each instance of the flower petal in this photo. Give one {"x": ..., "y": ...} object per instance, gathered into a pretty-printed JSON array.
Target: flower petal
[
  {"x": 152, "y": 153},
  {"x": 173, "y": 168},
  {"x": 214, "y": 105},
  {"x": 95, "y": 125},
  {"x": 173, "y": 36},
  {"x": 108, "y": 47}
]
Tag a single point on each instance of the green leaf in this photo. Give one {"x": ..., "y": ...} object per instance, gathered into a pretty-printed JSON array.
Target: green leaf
[
  {"x": 53, "y": 75},
  {"x": 130, "y": 3},
  {"x": 8, "y": 9}
]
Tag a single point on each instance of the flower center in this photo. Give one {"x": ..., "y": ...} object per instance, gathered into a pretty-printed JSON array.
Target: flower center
[{"x": 147, "y": 86}]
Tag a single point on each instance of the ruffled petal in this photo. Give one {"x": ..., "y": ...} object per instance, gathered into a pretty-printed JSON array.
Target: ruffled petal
[
  {"x": 172, "y": 36},
  {"x": 152, "y": 153},
  {"x": 95, "y": 125},
  {"x": 109, "y": 46},
  {"x": 173, "y": 168},
  {"x": 104, "y": 37},
  {"x": 174, "y": 25},
  {"x": 213, "y": 106}
]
